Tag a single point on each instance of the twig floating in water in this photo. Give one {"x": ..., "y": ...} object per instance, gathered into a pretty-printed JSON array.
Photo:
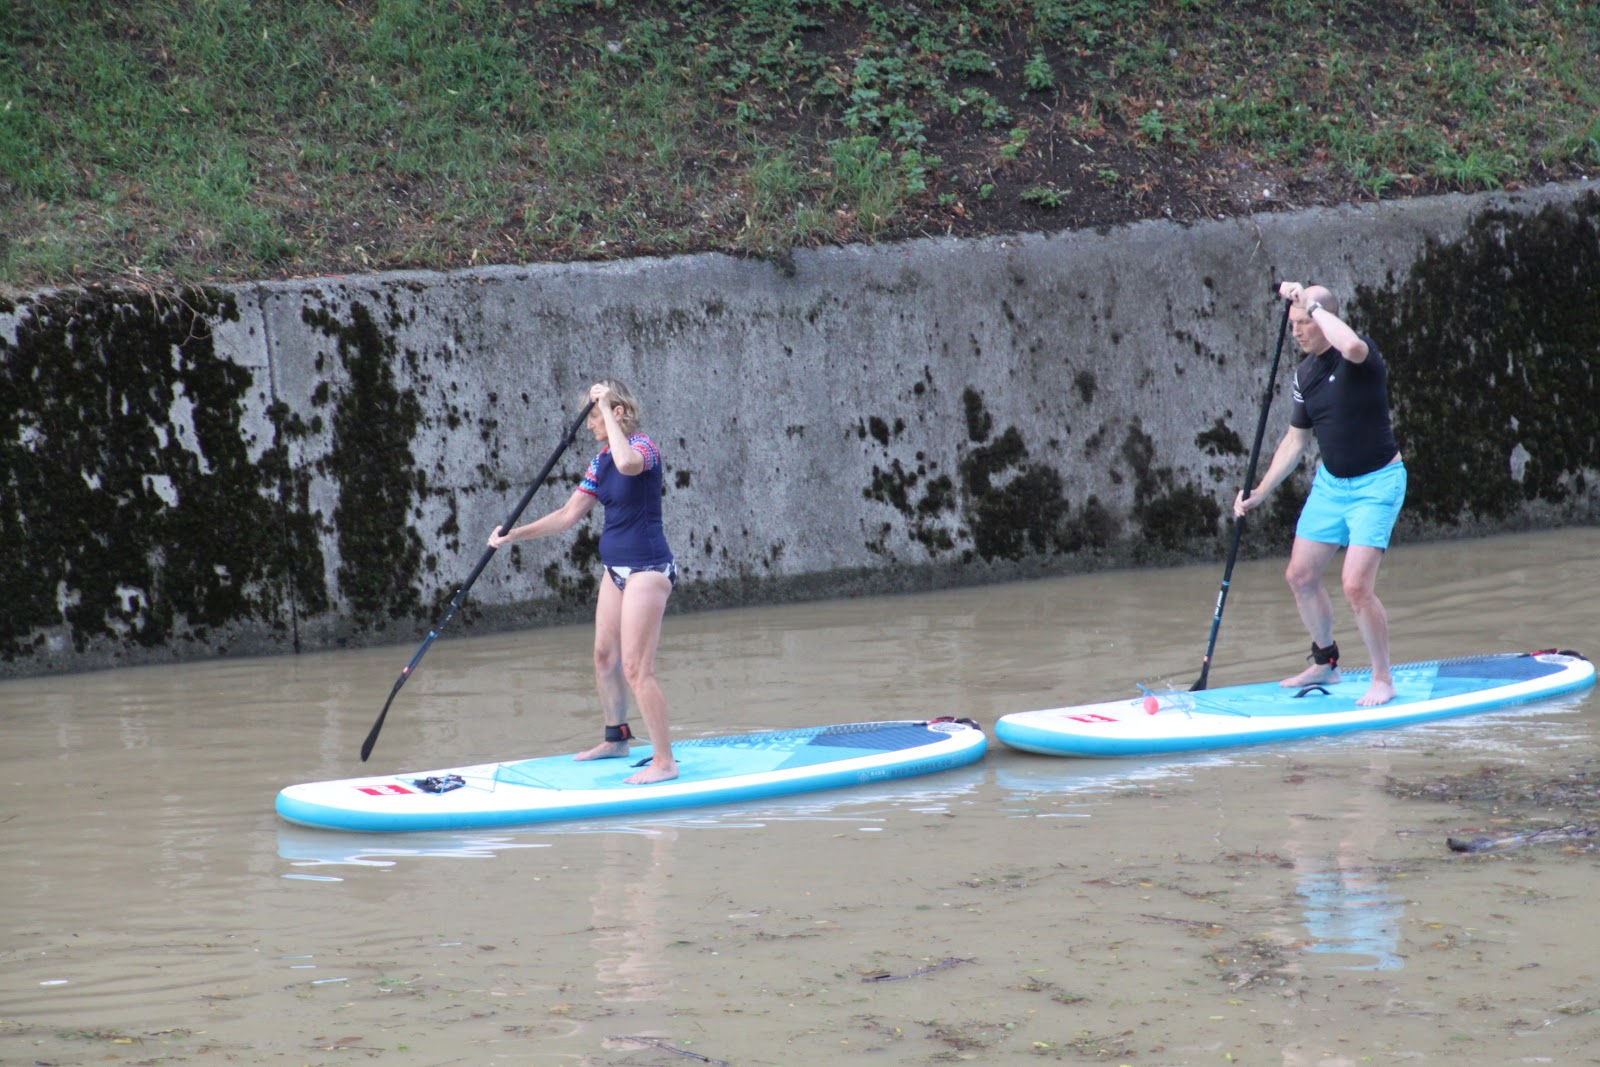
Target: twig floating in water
[
  {"x": 885, "y": 976},
  {"x": 1569, "y": 832},
  {"x": 1193, "y": 924},
  {"x": 655, "y": 1042}
]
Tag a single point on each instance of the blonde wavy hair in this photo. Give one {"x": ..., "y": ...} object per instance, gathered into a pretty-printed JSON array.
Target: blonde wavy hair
[{"x": 619, "y": 395}]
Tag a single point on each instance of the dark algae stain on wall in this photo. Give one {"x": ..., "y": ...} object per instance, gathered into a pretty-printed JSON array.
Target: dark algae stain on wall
[
  {"x": 206, "y": 471},
  {"x": 1496, "y": 393},
  {"x": 1001, "y": 506},
  {"x": 129, "y": 480},
  {"x": 1170, "y": 515},
  {"x": 374, "y": 422},
  {"x": 1013, "y": 507}
]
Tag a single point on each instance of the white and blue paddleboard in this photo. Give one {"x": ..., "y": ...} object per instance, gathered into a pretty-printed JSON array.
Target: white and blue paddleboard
[
  {"x": 711, "y": 770},
  {"x": 1161, "y": 722}
]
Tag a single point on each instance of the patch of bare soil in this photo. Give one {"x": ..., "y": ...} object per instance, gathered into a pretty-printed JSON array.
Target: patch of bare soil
[{"x": 1077, "y": 168}]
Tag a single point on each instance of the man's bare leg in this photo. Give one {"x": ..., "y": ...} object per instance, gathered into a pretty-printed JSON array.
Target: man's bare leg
[
  {"x": 1360, "y": 584},
  {"x": 1307, "y": 561}
]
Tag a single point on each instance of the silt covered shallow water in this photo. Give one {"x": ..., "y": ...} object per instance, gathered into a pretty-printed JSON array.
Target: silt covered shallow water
[{"x": 1289, "y": 904}]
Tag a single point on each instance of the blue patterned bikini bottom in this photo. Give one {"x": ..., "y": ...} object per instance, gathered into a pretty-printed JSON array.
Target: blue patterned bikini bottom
[{"x": 619, "y": 575}]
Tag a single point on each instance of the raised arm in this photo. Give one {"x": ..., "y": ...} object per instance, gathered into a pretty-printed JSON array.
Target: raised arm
[
  {"x": 628, "y": 460},
  {"x": 1322, "y": 307}
]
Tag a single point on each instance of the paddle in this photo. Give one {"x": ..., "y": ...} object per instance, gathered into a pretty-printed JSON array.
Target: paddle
[
  {"x": 461, "y": 594},
  {"x": 1238, "y": 523}
]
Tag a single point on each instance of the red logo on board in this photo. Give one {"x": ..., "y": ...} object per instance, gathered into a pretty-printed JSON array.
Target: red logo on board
[{"x": 387, "y": 789}]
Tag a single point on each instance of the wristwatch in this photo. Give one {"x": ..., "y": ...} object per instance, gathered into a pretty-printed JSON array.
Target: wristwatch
[{"x": 1313, "y": 307}]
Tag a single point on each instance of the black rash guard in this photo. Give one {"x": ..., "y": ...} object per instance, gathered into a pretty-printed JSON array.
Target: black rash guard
[{"x": 1346, "y": 405}]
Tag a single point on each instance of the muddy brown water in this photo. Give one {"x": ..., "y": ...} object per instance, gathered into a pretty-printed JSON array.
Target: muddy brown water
[{"x": 1267, "y": 905}]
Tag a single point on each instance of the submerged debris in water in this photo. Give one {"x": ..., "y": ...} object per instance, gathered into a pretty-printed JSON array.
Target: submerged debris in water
[
  {"x": 1502, "y": 842},
  {"x": 885, "y": 976},
  {"x": 654, "y": 1042},
  {"x": 1503, "y": 788}
]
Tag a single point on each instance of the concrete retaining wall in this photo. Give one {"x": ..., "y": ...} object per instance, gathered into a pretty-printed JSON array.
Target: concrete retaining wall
[{"x": 310, "y": 463}]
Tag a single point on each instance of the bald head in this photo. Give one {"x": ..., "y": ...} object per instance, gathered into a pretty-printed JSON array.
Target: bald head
[{"x": 1322, "y": 295}]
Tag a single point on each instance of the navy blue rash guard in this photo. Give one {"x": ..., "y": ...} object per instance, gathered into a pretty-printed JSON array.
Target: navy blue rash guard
[
  {"x": 633, "y": 534},
  {"x": 1346, "y": 405}
]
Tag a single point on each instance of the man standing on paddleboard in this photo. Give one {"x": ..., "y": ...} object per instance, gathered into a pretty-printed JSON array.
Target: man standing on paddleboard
[
  {"x": 639, "y": 574},
  {"x": 1341, "y": 398}
]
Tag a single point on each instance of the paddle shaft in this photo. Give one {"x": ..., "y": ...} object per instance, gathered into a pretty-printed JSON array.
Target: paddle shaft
[
  {"x": 461, "y": 594},
  {"x": 1238, "y": 523}
]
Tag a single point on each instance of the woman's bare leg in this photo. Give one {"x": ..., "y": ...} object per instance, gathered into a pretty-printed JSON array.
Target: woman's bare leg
[
  {"x": 644, "y": 603},
  {"x": 608, "y": 678}
]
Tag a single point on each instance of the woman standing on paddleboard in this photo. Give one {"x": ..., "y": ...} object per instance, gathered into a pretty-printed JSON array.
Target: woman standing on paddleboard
[{"x": 639, "y": 574}]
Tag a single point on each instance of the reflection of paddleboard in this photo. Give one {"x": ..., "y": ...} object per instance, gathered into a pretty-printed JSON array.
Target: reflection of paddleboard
[
  {"x": 317, "y": 848},
  {"x": 711, "y": 770},
  {"x": 1162, "y": 722}
]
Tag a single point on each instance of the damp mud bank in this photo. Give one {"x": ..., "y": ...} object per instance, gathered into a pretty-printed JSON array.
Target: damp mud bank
[{"x": 316, "y": 463}]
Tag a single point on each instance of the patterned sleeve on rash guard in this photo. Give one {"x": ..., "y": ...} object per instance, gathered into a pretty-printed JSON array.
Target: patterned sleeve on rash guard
[
  {"x": 646, "y": 448},
  {"x": 591, "y": 478},
  {"x": 641, "y": 443}
]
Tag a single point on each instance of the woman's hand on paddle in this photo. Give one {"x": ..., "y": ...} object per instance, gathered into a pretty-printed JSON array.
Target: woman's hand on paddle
[
  {"x": 1242, "y": 503},
  {"x": 497, "y": 539}
]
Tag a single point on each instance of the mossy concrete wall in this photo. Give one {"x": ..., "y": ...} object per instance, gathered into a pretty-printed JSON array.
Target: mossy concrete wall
[{"x": 303, "y": 464}]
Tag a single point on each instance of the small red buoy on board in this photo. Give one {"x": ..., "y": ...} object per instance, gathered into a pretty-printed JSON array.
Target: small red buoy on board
[{"x": 1151, "y": 704}]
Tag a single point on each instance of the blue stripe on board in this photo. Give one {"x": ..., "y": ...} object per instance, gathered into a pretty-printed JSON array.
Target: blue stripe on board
[
  {"x": 1499, "y": 668},
  {"x": 889, "y": 738},
  {"x": 827, "y": 746}
]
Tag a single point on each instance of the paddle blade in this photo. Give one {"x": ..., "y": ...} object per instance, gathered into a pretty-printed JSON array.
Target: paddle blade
[{"x": 372, "y": 735}]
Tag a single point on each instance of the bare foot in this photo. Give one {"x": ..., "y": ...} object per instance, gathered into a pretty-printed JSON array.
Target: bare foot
[
  {"x": 1316, "y": 674},
  {"x": 654, "y": 772},
  {"x": 605, "y": 750},
  {"x": 1377, "y": 693}
]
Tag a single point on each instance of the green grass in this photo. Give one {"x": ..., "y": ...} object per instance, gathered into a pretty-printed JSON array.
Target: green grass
[{"x": 168, "y": 141}]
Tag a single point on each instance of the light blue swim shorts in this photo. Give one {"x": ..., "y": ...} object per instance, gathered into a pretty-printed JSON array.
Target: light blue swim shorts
[{"x": 1353, "y": 511}]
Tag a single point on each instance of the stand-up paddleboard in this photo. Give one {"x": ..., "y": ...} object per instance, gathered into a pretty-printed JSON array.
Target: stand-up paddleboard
[
  {"x": 1159, "y": 722},
  {"x": 711, "y": 770}
]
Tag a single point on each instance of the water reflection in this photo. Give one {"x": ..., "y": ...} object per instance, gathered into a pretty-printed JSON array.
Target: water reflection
[
  {"x": 629, "y": 942},
  {"x": 622, "y": 870},
  {"x": 1350, "y": 911},
  {"x": 153, "y": 895},
  {"x": 1349, "y": 908},
  {"x": 311, "y": 849}
]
